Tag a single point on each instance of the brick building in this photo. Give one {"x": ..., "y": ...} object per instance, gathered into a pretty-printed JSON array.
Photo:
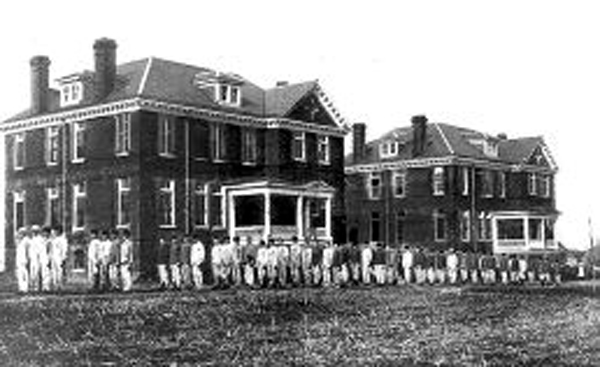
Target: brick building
[
  {"x": 160, "y": 147},
  {"x": 437, "y": 186}
]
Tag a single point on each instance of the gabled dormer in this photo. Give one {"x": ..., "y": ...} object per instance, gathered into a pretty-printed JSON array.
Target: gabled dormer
[
  {"x": 75, "y": 89},
  {"x": 226, "y": 87}
]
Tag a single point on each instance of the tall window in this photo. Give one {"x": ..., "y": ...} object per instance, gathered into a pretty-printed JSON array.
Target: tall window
[
  {"x": 439, "y": 226},
  {"x": 199, "y": 205},
  {"x": 487, "y": 184},
  {"x": 122, "y": 134},
  {"x": 216, "y": 207},
  {"x": 374, "y": 185},
  {"x": 166, "y": 136},
  {"x": 166, "y": 203},
  {"x": 323, "y": 149},
  {"x": 438, "y": 181},
  {"x": 375, "y": 227},
  {"x": 466, "y": 182},
  {"x": 19, "y": 209},
  {"x": 299, "y": 146},
  {"x": 52, "y": 142},
  {"x": 19, "y": 151},
  {"x": 546, "y": 186},
  {"x": 123, "y": 202},
  {"x": 465, "y": 226},
  {"x": 79, "y": 203},
  {"x": 78, "y": 142},
  {"x": 399, "y": 183},
  {"x": 485, "y": 226},
  {"x": 248, "y": 145},
  {"x": 219, "y": 146},
  {"x": 532, "y": 184},
  {"x": 502, "y": 184},
  {"x": 52, "y": 207}
]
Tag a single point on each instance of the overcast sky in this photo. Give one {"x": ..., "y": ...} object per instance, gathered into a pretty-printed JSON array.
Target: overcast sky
[{"x": 524, "y": 68}]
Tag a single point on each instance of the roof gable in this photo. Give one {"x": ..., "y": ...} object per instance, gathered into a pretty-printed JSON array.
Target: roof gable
[{"x": 310, "y": 109}]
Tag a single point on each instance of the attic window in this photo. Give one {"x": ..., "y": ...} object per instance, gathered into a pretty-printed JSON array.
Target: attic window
[
  {"x": 487, "y": 147},
  {"x": 228, "y": 94},
  {"x": 71, "y": 94},
  {"x": 388, "y": 149}
]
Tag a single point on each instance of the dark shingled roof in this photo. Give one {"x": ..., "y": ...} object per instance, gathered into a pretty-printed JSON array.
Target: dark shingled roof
[
  {"x": 449, "y": 140},
  {"x": 172, "y": 81}
]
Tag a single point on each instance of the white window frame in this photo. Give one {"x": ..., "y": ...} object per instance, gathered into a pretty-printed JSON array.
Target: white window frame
[
  {"x": 370, "y": 187},
  {"x": 232, "y": 97},
  {"x": 299, "y": 137},
  {"x": 19, "y": 147},
  {"x": 487, "y": 182},
  {"x": 51, "y": 194},
  {"x": 168, "y": 187},
  {"x": 465, "y": 226},
  {"x": 19, "y": 198},
  {"x": 532, "y": 184},
  {"x": 52, "y": 136},
  {"x": 79, "y": 192},
  {"x": 399, "y": 175},
  {"x": 201, "y": 189},
  {"x": 249, "y": 146},
  {"x": 484, "y": 228},
  {"x": 547, "y": 183},
  {"x": 438, "y": 179},
  {"x": 466, "y": 182},
  {"x": 78, "y": 131},
  {"x": 217, "y": 141},
  {"x": 437, "y": 215},
  {"x": 123, "y": 188},
  {"x": 166, "y": 136},
  {"x": 502, "y": 178},
  {"x": 122, "y": 134},
  {"x": 71, "y": 94},
  {"x": 388, "y": 149},
  {"x": 323, "y": 149}
]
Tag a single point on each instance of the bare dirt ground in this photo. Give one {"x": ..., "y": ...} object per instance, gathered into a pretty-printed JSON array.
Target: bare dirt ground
[{"x": 405, "y": 325}]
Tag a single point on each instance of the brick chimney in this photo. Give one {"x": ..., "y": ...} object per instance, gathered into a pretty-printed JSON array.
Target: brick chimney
[
  {"x": 40, "y": 89},
  {"x": 105, "y": 61},
  {"x": 359, "y": 132},
  {"x": 419, "y": 127}
]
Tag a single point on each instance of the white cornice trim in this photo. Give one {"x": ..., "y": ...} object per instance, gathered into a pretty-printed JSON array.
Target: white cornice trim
[
  {"x": 135, "y": 104},
  {"x": 445, "y": 161}
]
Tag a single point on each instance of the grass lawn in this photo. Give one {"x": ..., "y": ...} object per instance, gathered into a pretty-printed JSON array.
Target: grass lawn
[{"x": 379, "y": 326}]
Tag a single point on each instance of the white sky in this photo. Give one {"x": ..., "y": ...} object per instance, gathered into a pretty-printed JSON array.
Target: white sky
[{"x": 520, "y": 67}]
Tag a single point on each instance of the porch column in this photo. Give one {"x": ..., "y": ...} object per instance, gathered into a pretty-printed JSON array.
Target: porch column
[
  {"x": 300, "y": 217},
  {"x": 328, "y": 217},
  {"x": 231, "y": 215},
  {"x": 267, "y": 215}
]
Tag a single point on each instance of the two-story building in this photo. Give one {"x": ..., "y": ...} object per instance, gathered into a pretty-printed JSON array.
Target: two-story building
[
  {"x": 436, "y": 186},
  {"x": 161, "y": 147}
]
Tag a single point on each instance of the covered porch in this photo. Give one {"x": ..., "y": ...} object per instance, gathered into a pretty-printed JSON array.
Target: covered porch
[
  {"x": 264, "y": 209},
  {"x": 523, "y": 232}
]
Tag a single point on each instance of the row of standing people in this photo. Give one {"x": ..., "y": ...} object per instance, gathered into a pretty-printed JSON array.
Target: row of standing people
[
  {"x": 275, "y": 263},
  {"x": 110, "y": 260},
  {"x": 41, "y": 255}
]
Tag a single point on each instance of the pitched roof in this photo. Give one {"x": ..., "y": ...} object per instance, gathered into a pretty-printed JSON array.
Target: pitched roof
[
  {"x": 175, "y": 82},
  {"x": 449, "y": 140}
]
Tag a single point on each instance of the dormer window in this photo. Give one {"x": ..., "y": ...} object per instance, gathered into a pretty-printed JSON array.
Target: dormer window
[
  {"x": 71, "y": 94},
  {"x": 487, "y": 146},
  {"x": 228, "y": 94},
  {"x": 388, "y": 149}
]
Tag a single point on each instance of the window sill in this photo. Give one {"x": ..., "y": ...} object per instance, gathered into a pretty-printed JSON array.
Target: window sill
[
  {"x": 123, "y": 226},
  {"x": 18, "y": 168},
  {"x": 122, "y": 154},
  {"x": 299, "y": 160},
  {"x": 252, "y": 164},
  {"x": 200, "y": 159},
  {"x": 167, "y": 226},
  {"x": 438, "y": 194},
  {"x": 77, "y": 161},
  {"x": 167, "y": 155},
  {"x": 325, "y": 163},
  {"x": 51, "y": 164},
  {"x": 219, "y": 161}
]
